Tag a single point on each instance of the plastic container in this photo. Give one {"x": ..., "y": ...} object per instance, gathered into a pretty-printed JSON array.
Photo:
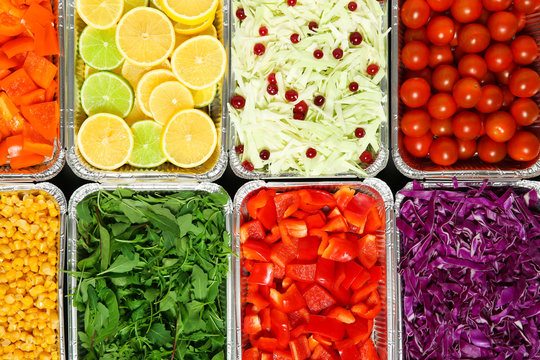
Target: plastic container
[
  {"x": 380, "y": 159},
  {"x": 85, "y": 190},
  {"x": 397, "y": 244},
  {"x": 51, "y": 167},
  {"x": 385, "y": 322},
  {"x": 54, "y": 192},
  {"x": 474, "y": 168},
  {"x": 211, "y": 170}
]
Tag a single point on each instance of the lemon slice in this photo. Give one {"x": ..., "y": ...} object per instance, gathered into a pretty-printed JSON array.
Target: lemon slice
[
  {"x": 204, "y": 97},
  {"x": 199, "y": 62},
  {"x": 180, "y": 38},
  {"x": 100, "y": 14},
  {"x": 132, "y": 4},
  {"x": 145, "y": 36},
  {"x": 147, "y": 145},
  {"x": 135, "y": 115},
  {"x": 133, "y": 73},
  {"x": 189, "y": 12},
  {"x": 189, "y": 139},
  {"x": 168, "y": 99},
  {"x": 193, "y": 29},
  {"x": 105, "y": 141},
  {"x": 148, "y": 83}
]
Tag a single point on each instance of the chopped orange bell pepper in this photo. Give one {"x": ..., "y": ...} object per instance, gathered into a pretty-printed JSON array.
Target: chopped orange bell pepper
[
  {"x": 50, "y": 92},
  {"x": 5, "y": 62},
  {"x": 17, "y": 46},
  {"x": 25, "y": 160},
  {"x": 7, "y": 108},
  {"x": 10, "y": 25},
  {"x": 4, "y": 73},
  {"x": 33, "y": 142},
  {"x": 3, "y": 153},
  {"x": 44, "y": 117},
  {"x": 33, "y": 97},
  {"x": 14, "y": 145},
  {"x": 41, "y": 70},
  {"x": 16, "y": 124},
  {"x": 17, "y": 83}
]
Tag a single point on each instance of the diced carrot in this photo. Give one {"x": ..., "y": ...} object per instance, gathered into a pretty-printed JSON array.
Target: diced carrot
[
  {"x": 36, "y": 14},
  {"x": 26, "y": 160},
  {"x": 35, "y": 143},
  {"x": 3, "y": 153},
  {"x": 33, "y": 97},
  {"x": 14, "y": 145},
  {"x": 41, "y": 70},
  {"x": 18, "y": 83},
  {"x": 10, "y": 25},
  {"x": 51, "y": 91},
  {"x": 7, "y": 107},
  {"x": 16, "y": 124},
  {"x": 4, "y": 73},
  {"x": 5, "y": 62},
  {"x": 18, "y": 45},
  {"x": 44, "y": 117}
]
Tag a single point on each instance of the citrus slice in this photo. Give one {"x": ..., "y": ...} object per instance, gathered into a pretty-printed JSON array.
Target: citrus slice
[
  {"x": 132, "y": 4},
  {"x": 105, "y": 92},
  {"x": 204, "y": 97},
  {"x": 100, "y": 14},
  {"x": 134, "y": 73},
  {"x": 105, "y": 141},
  {"x": 180, "y": 38},
  {"x": 145, "y": 36},
  {"x": 148, "y": 83},
  {"x": 147, "y": 145},
  {"x": 189, "y": 139},
  {"x": 189, "y": 12},
  {"x": 135, "y": 115},
  {"x": 193, "y": 29},
  {"x": 199, "y": 62},
  {"x": 168, "y": 99},
  {"x": 98, "y": 48}
]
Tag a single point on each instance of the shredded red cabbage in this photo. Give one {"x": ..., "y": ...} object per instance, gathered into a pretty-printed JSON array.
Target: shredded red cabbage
[{"x": 470, "y": 267}]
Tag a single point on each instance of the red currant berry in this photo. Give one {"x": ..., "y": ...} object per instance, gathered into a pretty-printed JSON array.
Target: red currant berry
[
  {"x": 353, "y": 86},
  {"x": 291, "y": 2},
  {"x": 338, "y": 53},
  {"x": 366, "y": 157},
  {"x": 240, "y": 14},
  {"x": 352, "y": 6},
  {"x": 372, "y": 69},
  {"x": 239, "y": 149},
  {"x": 263, "y": 31},
  {"x": 313, "y": 26},
  {"x": 272, "y": 78},
  {"x": 291, "y": 95},
  {"x": 355, "y": 38},
  {"x": 318, "y": 54},
  {"x": 299, "y": 116},
  {"x": 295, "y": 38},
  {"x": 311, "y": 153},
  {"x": 301, "y": 107},
  {"x": 359, "y": 133},
  {"x": 238, "y": 102},
  {"x": 259, "y": 49},
  {"x": 272, "y": 89},
  {"x": 319, "y": 100},
  {"x": 264, "y": 154},
  {"x": 248, "y": 166}
]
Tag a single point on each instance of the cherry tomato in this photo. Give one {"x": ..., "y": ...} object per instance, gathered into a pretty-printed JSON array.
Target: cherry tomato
[
  {"x": 442, "y": 127},
  {"x": 498, "y": 57},
  {"x": 525, "y": 111},
  {"x": 472, "y": 65},
  {"x": 489, "y": 78},
  {"x": 473, "y": 38},
  {"x": 418, "y": 146},
  {"x": 466, "y": 149},
  {"x": 521, "y": 18},
  {"x": 415, "y": 92},
  {"x": 524, "y": 6},
  {"x": 419, "y": 34},
  {"x": 500, "y": 126},
  {"x": 524, "y": 50},
  {"x": 503, "y": 77},
  {"x": 524, "y": 82},
  {"x": 454, "y": 41},
  {"x": 415, "y": 123},
  {"x": 483, "y": 19},
  {"x": 440, "y": 5},
  {"x": 440, "y": 30},
  {"x": 490, "y": 151},
  {"x": 415, "y": 13},
  {"x": 440, "y": 55},
  {"x": 444, "y": 77},
  {"x": 444, "y": 151},
  {"x": 425, "y": 74},
  {"x": 415, "y": 55},
  {"x": 466, "y": 125},
  {"x": 524, "y": 146},
  {"x": 467, "y": 92},
  {"x": 508, "y": 97},
  {"x": 502, "y": 25},
  {"x": 441, "y": 106},
  {"x": 491, "y": 100},
  {"x": 466, "y": 11},
  {"x": 496, "y": 5}
]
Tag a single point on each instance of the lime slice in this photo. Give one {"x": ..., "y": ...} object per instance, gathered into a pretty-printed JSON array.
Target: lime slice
[
  {"x": 105, "y": 92},
  {"x": 147, "y": 147},
  {"x": 132, "y": 4},
  {"x": 98, "y": 48}
]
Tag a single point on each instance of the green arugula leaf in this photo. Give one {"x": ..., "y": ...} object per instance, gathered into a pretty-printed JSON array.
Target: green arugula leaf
[{"x": 159, "y": 335}]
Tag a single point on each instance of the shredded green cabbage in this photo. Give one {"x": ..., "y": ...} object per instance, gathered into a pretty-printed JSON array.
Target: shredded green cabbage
[{"x": 266, "y": 122}]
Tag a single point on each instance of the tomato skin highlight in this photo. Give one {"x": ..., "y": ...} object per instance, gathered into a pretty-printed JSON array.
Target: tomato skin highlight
[
  {"x": 524, "y": 82},
  {"x": 440, "y": 30},
  {"x": 442, "y": 106},
  {"x": 473, "y": 38},
  {"x": 415, "y": 92},
  {"x": 467, "y": 92},
  {"x": 415, "y": 55},
  {"x": 524, "y": 146},
  {"x": 500, "y": 126},
  {"x": 444, "y": 151},
  {"x": 524, "y": 50},
  {"x": 502, "y": 25},
  {"x": 498, "y": 57},
  {"x": 444, "y": 77},
  {"x": 418, "y": 146},
  {"x": 415, "y": 13},
  {"x": 466, "y": 11},
  {"x": 442, "y": 127},
  {"x": 524, "y": 111},
  {"x": 466, "y": 149}
]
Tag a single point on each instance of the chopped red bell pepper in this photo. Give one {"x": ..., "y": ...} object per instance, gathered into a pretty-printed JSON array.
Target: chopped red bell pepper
[
  {"x": 341, "y": 295},
  {"x": 347, "y": 350},
  {"x": 298, "y": 317},
  {"x": 273, "y": 236},
  {"x": 301, "y": 272},
  {"x": 336, "y": 224},
  {"x": 367, "y": 250},
  {"x": 286, "y": 204},
  {"x": 282, "y": 254},
  {"x": 339, "y": 249},
  {"x": 266, "y": 343},
  {"x": 368, "y": 351},
  {"x": 335, "y": 212},
  {"x": 323, "y": 340},
  {"x": 317, "y": 298},
  {"x": 341, "y": 314},
  {"x": 251, "y": 354},
  {"x": 324, "y": 274},
  {"x": 256, "y": 250},
  {"x": 266, "y": 356},
  {"x": 323, "y": 353},
  {"x": 252, "y": 230},
  {"x": 316, "y": 220},
  {"x": 354, "y": 272},
  {"x": 259, "y": 201},
  {"x": 299, "y": 214},
  {"x": 298, "y": 331},
  {"x": 312, "y": 343},
  {"x": 343, "y": 196},
  {"x": 308, "y": 248},
  {"x": 282, "y": 355},
  {"x": 266, "y": 319},
  {"x": 360, "y": 330},
  {"x": 376, "y": 274},
  {"x": 279, "y": 272},
  {"x": 267, "y": 214},
  {"x": 370, "y": 308},
  {"x": 331, "y": 328},
  {"x": 254, "y": 297},
  {"x": 289, "y": 301},
  {"x": 280, "y": 328},
  {"x": 358, "y": 209},
  {"x": 286, "y": 282},
  {"x": 312, "y": 199},
  {"x": 252, "y": 324},
  {"x": 291, "y": 230},
  {"x": 373, "y": 221},
  {"x": 300, "y": 348},
  {"x": 261, "y": 274},
  {"x": 363, "y": 293}
]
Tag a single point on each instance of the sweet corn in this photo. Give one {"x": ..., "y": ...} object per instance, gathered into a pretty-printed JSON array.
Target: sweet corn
[{"x": 29, "y": 230}]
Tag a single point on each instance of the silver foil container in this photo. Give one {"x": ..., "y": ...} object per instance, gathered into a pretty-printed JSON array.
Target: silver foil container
[
  {"x": 71, "y": 251},
  {"x": 431, "y": 185},
  {"x": 385, "y": 323},
  {"x": 53, "y": 165},
  {"x": 58, "y": 196},
  {"x": 473, "y": 168},
  {"x": 380, "y": 159},
  {"x": 211, "y": 170}
]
